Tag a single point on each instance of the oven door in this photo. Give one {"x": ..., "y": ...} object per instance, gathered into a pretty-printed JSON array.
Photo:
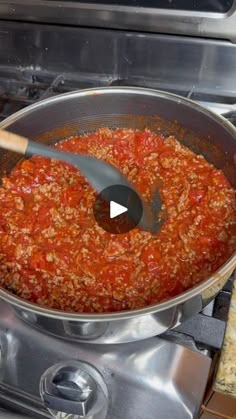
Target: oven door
[{"x": 201, "y": 18}]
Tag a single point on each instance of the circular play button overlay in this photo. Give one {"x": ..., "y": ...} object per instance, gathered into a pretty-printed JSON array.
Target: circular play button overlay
[{"x": 118, "y": 209}]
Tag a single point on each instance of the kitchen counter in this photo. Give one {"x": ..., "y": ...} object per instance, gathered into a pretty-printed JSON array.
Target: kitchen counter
[{"x": 226, "y": 375}]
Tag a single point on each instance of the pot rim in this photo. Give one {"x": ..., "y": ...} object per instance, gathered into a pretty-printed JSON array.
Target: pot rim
[{"x": 225, "y": 270}]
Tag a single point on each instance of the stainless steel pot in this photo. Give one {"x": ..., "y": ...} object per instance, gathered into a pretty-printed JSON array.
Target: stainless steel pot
[{"x": 204, "y": 132}]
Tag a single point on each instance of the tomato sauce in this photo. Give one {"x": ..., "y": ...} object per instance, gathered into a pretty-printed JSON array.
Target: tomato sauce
[{"x": 53, "y": 253}]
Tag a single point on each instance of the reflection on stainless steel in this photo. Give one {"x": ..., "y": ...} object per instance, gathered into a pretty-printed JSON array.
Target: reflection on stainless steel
[
  {"x": 201, "y": 24},
  {"x": 125, "y": 330},
  {"x": 89, "y": 110},
  {"x": 154, "y": 372},
  {"x": 203, "y": 69},
  {"x": 4, "y": 414}
]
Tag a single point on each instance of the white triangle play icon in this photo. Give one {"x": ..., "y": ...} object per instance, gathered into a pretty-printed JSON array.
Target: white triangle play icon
[{"x": 116, "y": 209}]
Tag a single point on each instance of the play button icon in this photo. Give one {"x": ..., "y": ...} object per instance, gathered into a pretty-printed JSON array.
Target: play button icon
[{"x": 118, "y": 209}]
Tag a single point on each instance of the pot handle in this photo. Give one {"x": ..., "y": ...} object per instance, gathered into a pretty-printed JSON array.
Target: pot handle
[
  {"x": 13, "y": 142},
  {"x": 225, "y": 381}
]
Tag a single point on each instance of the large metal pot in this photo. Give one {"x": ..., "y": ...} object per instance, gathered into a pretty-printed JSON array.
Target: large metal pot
[{"x": 64, "y": 115}]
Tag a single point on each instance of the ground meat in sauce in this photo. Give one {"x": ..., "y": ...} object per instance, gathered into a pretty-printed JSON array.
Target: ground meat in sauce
[{"x": 53, "y": 253}]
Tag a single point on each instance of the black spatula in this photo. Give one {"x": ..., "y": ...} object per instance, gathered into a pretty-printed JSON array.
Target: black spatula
[{"x": 100, "y": 174}]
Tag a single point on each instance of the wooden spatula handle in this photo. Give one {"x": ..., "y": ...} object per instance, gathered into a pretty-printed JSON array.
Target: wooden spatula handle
[{"x": 13, "y": 142}]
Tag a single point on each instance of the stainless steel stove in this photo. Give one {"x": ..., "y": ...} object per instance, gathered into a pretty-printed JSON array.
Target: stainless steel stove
[
  {"x": 159, "y": 377},
  {"x": 163, "y": 377},
  {"x": 152, "y": 378}
]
